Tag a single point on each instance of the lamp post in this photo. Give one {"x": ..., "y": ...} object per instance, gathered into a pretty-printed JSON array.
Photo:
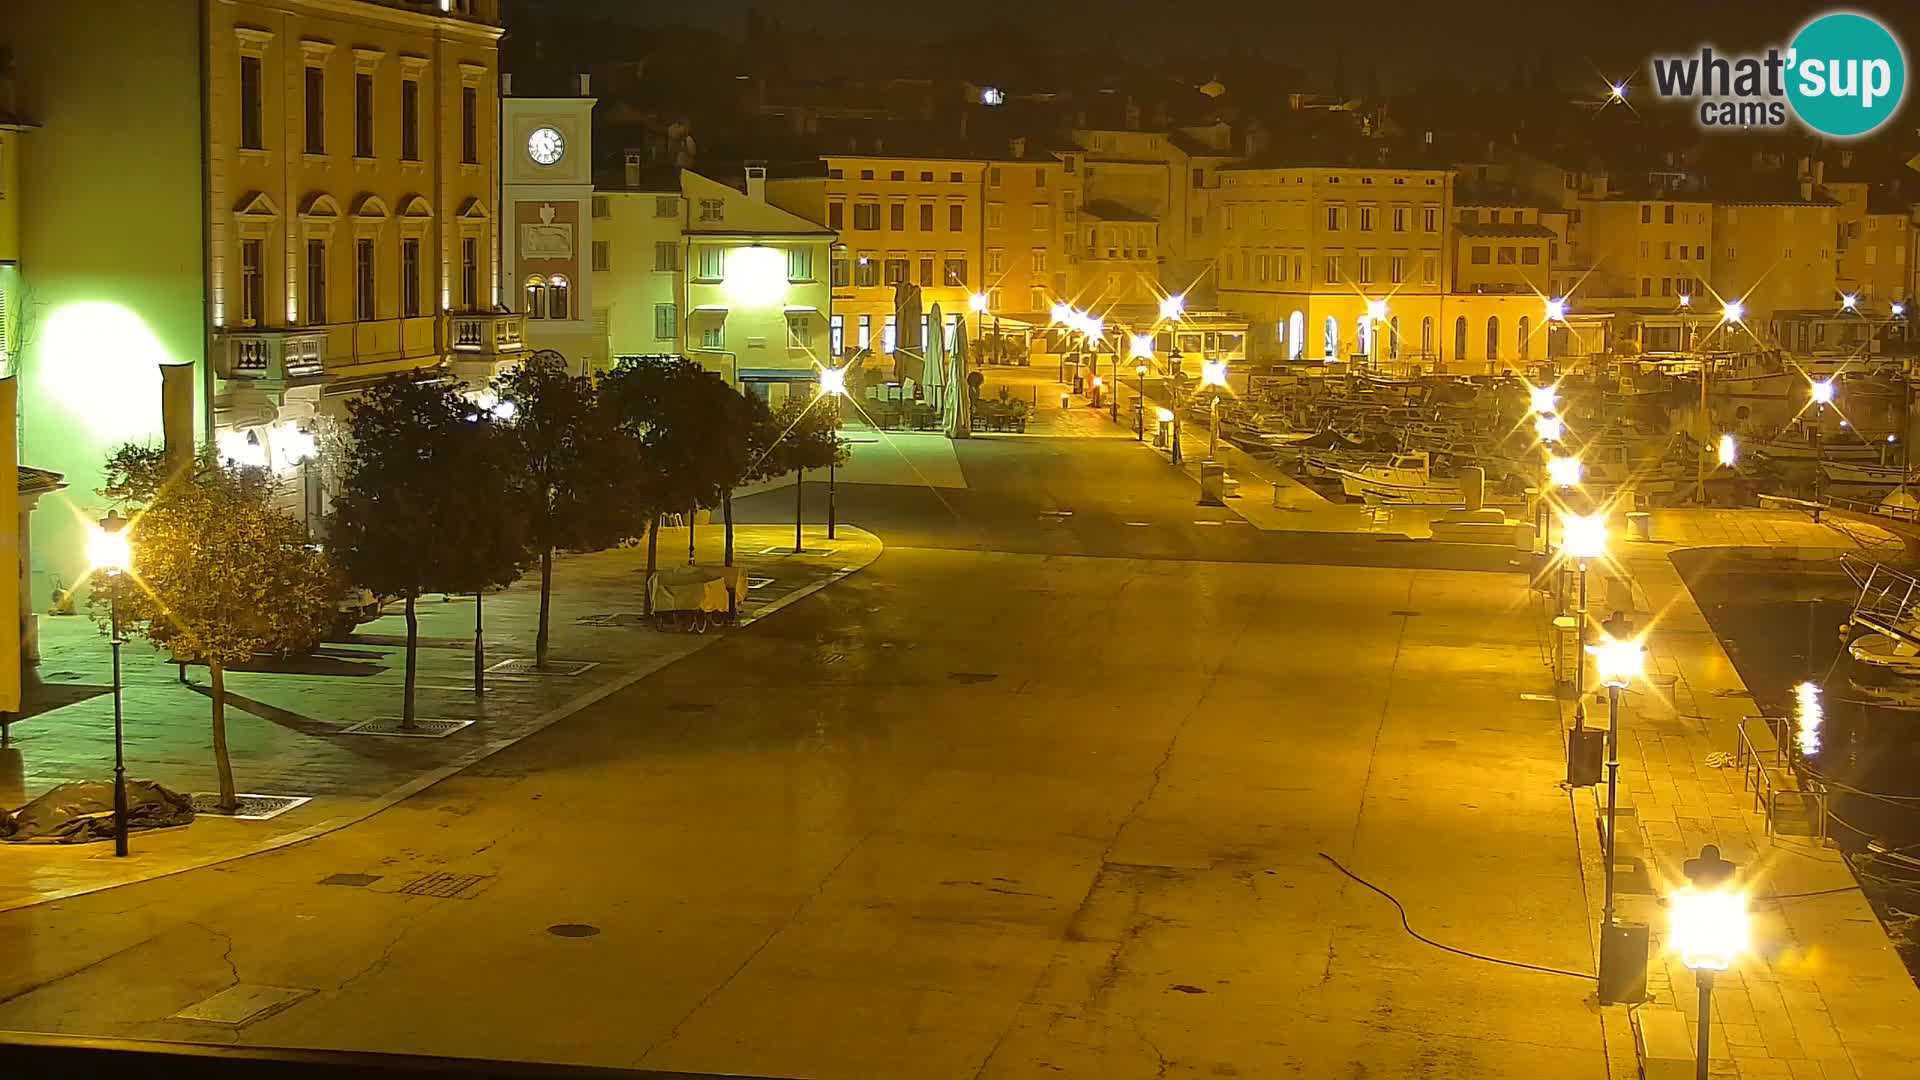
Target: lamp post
[
  {"x": 1140, "y": 406},
  {"x": 108, "y": 550},
  {"x": 1173, "y": 397},
  {"x": 1213, "y": 374},
  {"x": 833, "y": 384},
  {"x": 1617, "y": 663},
  {"x": 1709, "y": 930},
  {"x": 1376, "y": 318},
  {"x": 1822, "y": 394},
  {"x": 1582, "y": 539}
]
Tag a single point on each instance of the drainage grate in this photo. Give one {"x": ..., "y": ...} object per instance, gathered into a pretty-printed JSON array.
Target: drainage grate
[
  {"x": 422, "y": 728},
  {"x": 573, "y": 930},
  {"x": 446, "y": 886},
  {"x": 241, "y": 1003},
  {"x": 351, "y": 881},
  {"x": 525, "y": 667},
  {"x": 252, "y": 807},
  {"x": 970, "y": 678}
]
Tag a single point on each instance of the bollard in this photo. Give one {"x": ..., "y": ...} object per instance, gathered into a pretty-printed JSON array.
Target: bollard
[
  {"x": 1473, "y": 486},
  {"x": 1066, "y": 400}
]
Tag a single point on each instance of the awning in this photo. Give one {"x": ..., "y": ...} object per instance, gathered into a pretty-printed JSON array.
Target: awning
[
  {"x": 805, "y": 374},
  {"x": 722, "y": 308}
]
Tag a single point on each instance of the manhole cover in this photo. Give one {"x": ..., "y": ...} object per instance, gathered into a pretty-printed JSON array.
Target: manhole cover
[
  {"x": 572, "y": 929},
  {"x": 351, "y": 881},
  {"x": 446, "y": 886},
  {"x": 241, "y": 1003},
  {"x": 422, "y": 728},
  {"x": 526, "y": 667},
  {"x": 252, "y": 807},
  {"x": 689, "y": 706},
  {"x": 969, "y": 678}
]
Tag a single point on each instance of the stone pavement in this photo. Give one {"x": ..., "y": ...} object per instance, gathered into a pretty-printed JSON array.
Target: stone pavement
[
  {"x": 286, "y": 724},
  {"x": 1823, "y": 994}
]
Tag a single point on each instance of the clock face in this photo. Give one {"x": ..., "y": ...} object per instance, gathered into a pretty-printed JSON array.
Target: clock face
[{"x": 545, "y": 145}]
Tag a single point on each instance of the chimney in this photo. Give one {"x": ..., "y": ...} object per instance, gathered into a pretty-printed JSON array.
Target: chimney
[
  {"x": 506, "y": 84},
  {"x": 633, "y": 169},
  {"x": 757, "y": 181},
  {"x": 1018, "y": 147},
  {"x": 586, "y": 85}
]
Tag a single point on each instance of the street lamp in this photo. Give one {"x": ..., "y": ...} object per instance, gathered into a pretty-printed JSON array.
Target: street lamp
[
  {"x": 1617, "y": 663},
  {"x": 1821, "y": 393},
  {"x": 1709, "y": 928},
  {"x": 1140, "y": 406},
  {"x": 1729, "y": 450},
  {"x": 1556, "y": 310},
  {"x": 833, "y": 384},
  {"x": 1172, "y": 307},
  {"x": 1213, "y": 373},
  {"x": 1542, "y": 400},
  {"x": 1173, "y": 396},
  {"x": 1549, "y": 428},
  {"x": 1582, "y": 538},
  {"x": 1732, "y": 311},
  {"x": 108, "y": 549},
  {"x": 1849, "y": 302},
  {"x": 1564, "y": 472},
  {"x": 1376, "y": 318}
]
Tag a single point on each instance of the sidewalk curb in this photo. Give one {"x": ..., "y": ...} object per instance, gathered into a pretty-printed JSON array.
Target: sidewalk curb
[{"x": 394, "y": 796}]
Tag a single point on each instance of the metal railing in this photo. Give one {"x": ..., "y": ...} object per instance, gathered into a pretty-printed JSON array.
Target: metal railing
[
  {"x": 25, "y": 1054},
  {"x": 1768, "y": 773},
  {"x": 1888, "y": 598}
]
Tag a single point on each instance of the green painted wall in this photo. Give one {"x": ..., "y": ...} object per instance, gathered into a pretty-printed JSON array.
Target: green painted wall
[{"x": 112, "y": 275}]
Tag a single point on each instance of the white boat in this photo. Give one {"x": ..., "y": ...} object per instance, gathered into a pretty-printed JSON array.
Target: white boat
[
  {"x": 1405, "y": 478},
  {"x": 1859, "y": 472},
  {"x": 1890, "y": 654},
  {"x": 1796, "y": 443}
]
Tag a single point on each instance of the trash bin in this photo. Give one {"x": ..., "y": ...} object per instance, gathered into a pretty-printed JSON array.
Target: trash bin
[
  {"x": 1640, "y": 524},
  {"x": 1213, "y": 483}
]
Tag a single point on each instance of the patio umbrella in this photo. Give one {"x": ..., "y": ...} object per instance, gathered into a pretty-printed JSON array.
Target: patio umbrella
[
  {"x": 933, "y": 368},
  {"x": 959, "y": 411}
]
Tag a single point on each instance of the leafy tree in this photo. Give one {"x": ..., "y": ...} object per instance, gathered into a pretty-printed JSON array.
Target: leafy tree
[
  {"x": 425, "y": 504},
  {"x": 747, "y": 460},
  {"x": 219, "y": 575},
  {"x": 802, "y": 434},
  {"x": 571, "y": 459}
]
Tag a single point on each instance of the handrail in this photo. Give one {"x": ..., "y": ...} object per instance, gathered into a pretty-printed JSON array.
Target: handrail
[{"x": 1757, "y": 769}]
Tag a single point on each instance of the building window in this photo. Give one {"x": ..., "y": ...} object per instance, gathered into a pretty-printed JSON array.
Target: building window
[
  {"x": 1460, "y": 338},
  {"x": 866, "y": 174},
  {"x": 1336, "y": 218},
  {"x": 1669, "y": 213},
  {"x": 1330, "y": 339},
  {"x": 1426, "y": 336},
  {"x": 799, "y": 330},
  {"x": 1199, "y": 224},
  {"x": 1507, "y": 257},
  {"x": 1429, "y": 269},
  {"x": 410, "y": 278},
  {"x": 996, "y": 261},
  {"x": 666, "y": 206},
  {"x": 993, "y": 300},
  {"x": 1646, "y": 286},
  {"x": 253, "y": 282},
  {"x": 836, "y": 216},
  {"x": 1039, "y": 262},
  {"x": 1393, "y": 338},
  {"x": 410, "y": 120},
  {"x": 1366, "y": 268},
  {"x": 470, "y": 125},
  {"x": 837, "y": 335},
  {"x": 1430, "y": 218},
  {"x": 602, "y": 206},
  {"x": 713, "y": 263},
  {"x": 251, "y": 133},
  {"x": 666, "y": 322},
  {"x": 1646, "y": 214},
  {"x": 470, "y": 273},
  {"x": 714, "y": 338},
  {"x": 895, "y": 271},
  {"x": 1397, "y": 269},
  {"x": 1525, "y": 346},
  {"x": 1366, "y": 219},
  {"x": 926, "y": 271},
  {"x": 956, "y": 217},
  {"x": 1332, "y": 268},
  {"x": 842, "y": 270},
  {"x": 601, "y": 258},
  {"x": 956, "y": 272},
  {"x": 713, "y": 210},
  {"x": 864, "y": 340},
  {"x": 666, "y": 255},
  {"x": 996, "y": 215},
  {"x": 866, "y": 216},
  {"x": 1482, "y": 255},
  {"x": 316, "y": 110},
  {"x": 316, "y": 282},
  {"x": 559, "y": 298},
  {"x": 897, "y": 216},
  {"x": 1037, "y": 299},
  {"x": 1493, "y": 337},
  {"x": 888, "y": 335},
  {"x": 866, "y": 272},
  {"x": 1530, "y": 256},
  {"x": 993, "y": 176},
  {"x": 800, "y": 264},
  {"x": 1399, "y": 219},
  {"x": 363, "y": 115},
  {"x": 926, "y": 217},
  {"x": 363, "y": 294}
]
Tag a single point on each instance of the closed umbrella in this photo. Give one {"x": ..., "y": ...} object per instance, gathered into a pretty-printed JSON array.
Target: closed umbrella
[
  {"x": 933, "y": 369},
  {"x": 959, "y": 410}
]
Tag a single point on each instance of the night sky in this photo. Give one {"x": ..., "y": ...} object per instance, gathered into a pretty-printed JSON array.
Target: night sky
[{"x": 1409, "y": 40}]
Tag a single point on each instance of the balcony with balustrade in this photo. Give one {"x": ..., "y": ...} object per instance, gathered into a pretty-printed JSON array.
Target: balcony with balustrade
[{"x": 272, "y": 358}]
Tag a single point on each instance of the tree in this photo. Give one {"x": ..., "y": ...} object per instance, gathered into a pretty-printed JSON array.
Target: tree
[
  {"x": 221, "y": 575},
  {"x": 570, "y": 457},
  {"x": 425, "y": 505},
  {"x": 751, "y": 461},
  {"x": 803, "y": 434}
]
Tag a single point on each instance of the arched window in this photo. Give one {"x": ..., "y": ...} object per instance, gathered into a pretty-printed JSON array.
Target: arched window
[
  {"x": 1297, "y": 334},
  {"x": 536, "y": 297},
  {"x": 1362, "y": 341},
  {"x": 1426, "y": 336},
  {"x": 1524, "y": 347},
  {"x": 1460, "y": 338},
  {"x": 1393, "y": 338},
  {"x": 559, "y": 298},
  {"x": 1332, "y": 342},
  {"x": 1493, "y": 337}
]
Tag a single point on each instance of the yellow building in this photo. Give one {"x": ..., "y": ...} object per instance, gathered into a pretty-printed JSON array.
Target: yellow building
[
  {"x": 1874, "y": 240},
  {"x": 639, "y": 256},
  {"x": 1776, "y": 256},
  {"x": 1648, "y": 252}
]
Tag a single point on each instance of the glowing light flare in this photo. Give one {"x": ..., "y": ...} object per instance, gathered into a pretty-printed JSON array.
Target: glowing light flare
[
  {"x": 1850, "y": 302},
  {"x": 1686, "y": 301},
  {"x": 1542, "y": 399},
  {"x": 241, "y": 448},
  {"x": 1583, "y": 536},
  {"x": 756, "y": 277},
  {"x": 1733, "y": 311},
  {"x": 1098, "y": 382},
  {"x": 1165, "y": 416},
  {"x": 1708, "y": 928},
  {"x": 1822, "y": 392},
  {"x": 1563, "y": 471},
  {"x": 1093, "y": 326},
  {"x": 1377, "y": 310},
  {"x": 833, "y": 381},
  {"x": 1213, "y": 373},
  {"x": 100, "y": 362},
  {"x": 1061, "y": 313},
  {"x": 1729, "y": 450},
  {"x": 1899, "y": 310},
  {"x": 1141, "y": 345},
  {"x": 1549, "y": 429},
  {"x": 1172, "y": 307},
  {"x": 1808, "y": 715},
  {"x": 293, "y": 445},
  {"x": 1617, "y": 92},
  {"x": 977, "y": 302},
  {"x": 107, "y": 545},
  {"x": 1556, "y": 310},
  {"x": 1618, "y": 662}
]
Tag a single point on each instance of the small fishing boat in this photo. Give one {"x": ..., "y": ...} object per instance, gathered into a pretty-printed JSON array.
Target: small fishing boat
[
  {"x": 1405, "y": 478},
  {"x": 1862, "y": 473}
]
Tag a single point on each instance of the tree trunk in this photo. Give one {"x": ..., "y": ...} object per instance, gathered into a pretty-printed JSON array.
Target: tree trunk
[
  {"x": 222, "y": 764},
  {"x": 479, "y": 644},
  {"x": 546, "y": 606},
  {"x": 799, "y": 504},
  {"x": 653, "y": 554},
  {"x": 691, "y": 511},
  {"x": 413, "y": 641},
  {"x": 726, "y": 511}
]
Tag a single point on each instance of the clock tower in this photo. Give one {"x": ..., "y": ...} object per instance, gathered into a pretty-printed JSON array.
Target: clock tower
[{"x": 546, "y": 210}]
